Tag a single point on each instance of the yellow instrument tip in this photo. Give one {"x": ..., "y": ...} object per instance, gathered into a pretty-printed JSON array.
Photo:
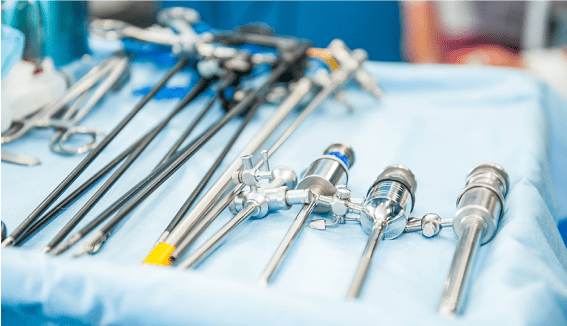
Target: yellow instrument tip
[{"x": 160, "y": 255}]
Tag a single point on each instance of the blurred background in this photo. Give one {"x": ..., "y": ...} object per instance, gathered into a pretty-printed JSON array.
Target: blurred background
[
  {"x": 521, "y": 35},
  {"x": 530, "y": 35}
]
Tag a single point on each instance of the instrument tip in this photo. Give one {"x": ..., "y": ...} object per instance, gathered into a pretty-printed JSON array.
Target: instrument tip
[
  {"x": 46, "y": 250},
  {"x": 447, "y": 310},
  {"x": 7, "y": 242},
  {"x": 263, "y": 282}
]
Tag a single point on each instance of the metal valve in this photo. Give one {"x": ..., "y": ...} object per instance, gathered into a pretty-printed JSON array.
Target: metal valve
[
  {"x": 250, "y": 175},
  {"x": 272, "y": 196},
  {"x": 257, "y": 202}
]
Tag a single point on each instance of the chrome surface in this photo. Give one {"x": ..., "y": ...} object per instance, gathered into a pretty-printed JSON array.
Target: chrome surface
[
  {"x": 287, "y": 242},
  {"x": 320, "y": 179},
  {"x": 383, "y": 216},
  {"x": 216, "y": 240},
  {"x": 479, "y": 208},
  {"x": 374, "y": 238}
]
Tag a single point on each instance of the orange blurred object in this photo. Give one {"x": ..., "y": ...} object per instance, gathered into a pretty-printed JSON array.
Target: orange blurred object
[
  {"x": 425, "y": 42},
  {"x": 493, "y": 55}
]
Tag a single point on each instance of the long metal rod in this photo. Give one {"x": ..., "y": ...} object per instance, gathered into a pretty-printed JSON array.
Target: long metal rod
[
  {"x": 120, "y": 201},
  {"x": 374, "y": 239},
  {"x": 102, "y": 235},
  {"x": 88, "y": 160},
  {"x": 217, "y": 239},
  {"x": 65, "y": 203},
  {"x": 199, "y": 88},
  {"x": 197, "y": 191},
  {"x": 211, "y": 215},
  {"x": 457, "y": 281},
  {"x": 228, "y": 80},
  {"x": 114, "y": 206},
  {"x": 150, "y": 183},
  {"x": 76, "y": 194},
  {"x": 288, "y": 240},
  {"x": 223, "y": 183}
]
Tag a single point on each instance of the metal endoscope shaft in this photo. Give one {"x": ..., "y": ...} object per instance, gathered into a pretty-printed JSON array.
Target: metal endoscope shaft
[
  {"x": 456, "y": 285},
  {"x": 288, "y": 240},
  {"x": 374, "y": 239},
  {"x": 88, "y": 160},
  {"x": 216, "y": 240},
  {"x": 480, "y": 205}
]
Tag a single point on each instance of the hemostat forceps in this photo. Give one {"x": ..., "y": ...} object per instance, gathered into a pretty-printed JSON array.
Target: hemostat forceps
[{"x": 111, "y": 71}]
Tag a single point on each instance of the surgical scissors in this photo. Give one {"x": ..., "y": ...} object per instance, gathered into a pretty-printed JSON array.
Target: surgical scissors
[{"x": 111, "y": 70}]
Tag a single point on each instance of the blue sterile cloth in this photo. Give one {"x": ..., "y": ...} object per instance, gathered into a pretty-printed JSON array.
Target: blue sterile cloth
[{"x": 439, "y": 121}]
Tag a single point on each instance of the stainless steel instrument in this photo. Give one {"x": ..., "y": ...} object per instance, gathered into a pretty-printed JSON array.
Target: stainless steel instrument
[
  {"x": 321, "y": 178},
  {"x": 480, "y": 206}
]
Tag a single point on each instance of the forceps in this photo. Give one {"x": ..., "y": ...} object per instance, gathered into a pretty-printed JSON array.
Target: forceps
[
  {"x": 112, "y": 70},
  {"x": 176, "y": 18}
]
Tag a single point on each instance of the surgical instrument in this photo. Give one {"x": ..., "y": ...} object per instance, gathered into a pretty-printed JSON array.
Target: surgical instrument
[
  {"x": 20, "y": 159},
  {"x": 302, "y": 88},
  {"x": 133, "y": 193},
  {"x": 145, "y": 187},
  {"x": 87, "y": 160},
  {"x": 257, "y": 202},
  {"x": 290, "y": 58},
  {"x": 229, "y": 79},
  {"x": 199, "y": 188},
  {"x": 179, "y": 18},
  {"x": 321, "y": 178},
  {"x": 186, "y": 42},
  {"x": 382, "y": 215},
  {"x": 112, "y": 68},
  {"x": 179, "y": 240},
  {"x": 76, "y": 194},
  {"x": 93, "y": 244},
  {"x": 200, "y": 87},
  {"x": 480, "y": 205}
]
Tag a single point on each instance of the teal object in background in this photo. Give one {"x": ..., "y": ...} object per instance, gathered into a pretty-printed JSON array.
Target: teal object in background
[{"x": 64, "y": 26}]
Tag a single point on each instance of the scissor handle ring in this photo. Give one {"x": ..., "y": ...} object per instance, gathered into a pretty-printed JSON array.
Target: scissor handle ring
[{"x": 80, "y": 130}]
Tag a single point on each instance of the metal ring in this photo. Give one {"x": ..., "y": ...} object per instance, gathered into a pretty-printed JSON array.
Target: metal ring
[
  {"x": 471, "y": 186},
  {"x": 396, "y": 179}
]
